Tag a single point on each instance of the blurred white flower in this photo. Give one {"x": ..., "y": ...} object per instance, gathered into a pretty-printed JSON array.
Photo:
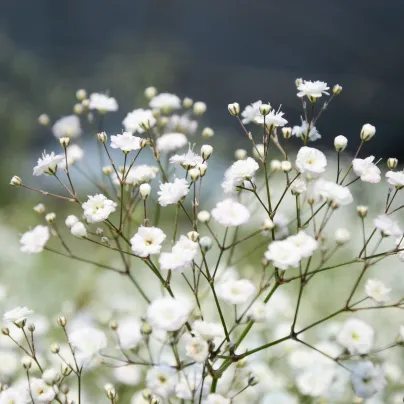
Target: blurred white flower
[
  {"x": 139, "y": 174},
  {"x": 315, "y": 380},
  {"x": 48, "y": 163},
  {"x": 311, "y": 161},
  {"x": 236, "y": 291},
  {"x": 103, "y": 103},
  {"x": 67, "y": 126},
  {"x": 33, "y": 241},
  {"x": 133, "y": 120},
  {"x": 314, "y": 89},
  {"x": 161, "y": 380},
  {"x": 182, "y": 123},
  {"x": 230, "y": 213},
  {"x": 251, "y": 112},
  {"x": 129, "y": 333},
  {"x": 395, "y": 178},
  {"x": 71, "y": 220},
  {"x": 356, "y": 336},
  {"x": 298, "y": 186},
  {"x": 181, "y": 256},
  {"x": 98, "y": 208},
  {"x": 87, "y": 342},
  {"x": 215, "y": 398},
  {"x": 126, "y": 142},
  {"x": 129, "y": 375},
  {"x": 272, "y": 119},
  {"x": 303, "y": 131},
  {"x": 165, "y": 101},
  {"x": 332, "y": 192},
  {"x": 41, "y": 392},
  {"x": 173, "y": 192},
  {"x": 342, "y": 235},
  {"x": 170, "y": 142},
  {"x": 367, "y": 379},
  {"x": 190, "y": 383},
  {"x": 197, "y": 349},
  {"x": 74, "y": 153},
  {"x": 366, "y": 170},
  {"x": 305, "y": 244},
  {"x": 9, "y": 364},
  {"x": 79, "y": 230},
  {"x": 12, "y": 396},
  {"x": 377, "y": 291},
  {"x": 239, "y": 172},
  {"x": 283, "y": 254},
  {"x": 187, "y": 160},
  {"x": 208, "y": 331},
  {"x": 387, "y": 226},
  {"x": 147, "y": 241}
]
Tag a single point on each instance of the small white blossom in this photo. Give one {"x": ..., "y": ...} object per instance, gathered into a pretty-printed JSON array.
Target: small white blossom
[
  {"x": 366, "y": 170},
  {"x": 71, "y": 220},
  {"x": 283, "y": 254},
  {"x": 340, "y": 143},
  {"x": 161, "y": 380},
  {"x": 342, "y": 235},
  {"x": 387, "y": 226},
  {"x": 74, "y": 153},
  {"x": 98, "y": 208},
  {"x": 272, "y": 119},
  {"x": 236, "y": 291},
  {"x": 395, "y": 178},
  {"x": 208, "y": 331},
  {"x": 17, "y": 315},
  {"x": 12, "y": 396},
  {"x": 182, "y": 123},
  {"x": 251, "y": 112},
  {"x": 165, "y": 101},
  {"x": 181, "y": 256},
  {"x": 190, "y": 383},
  {"x": 367, "y": 379},
  {"x": 87, "y": 342},
  {"x": 314, "y": 89},
  {"x": 298, "y": 186},
  {"x": 230, "y": 213},
  {"x": 311, "y": 161},
  {"x": 239, "y": 172},
  {"x": 139, "y": 174},
  {"x": 68, "y": 126},
  {"x": 187, "y": 160},
  {"x": 197, "y": 349},
  {"x": 132, "y": 122},
  {"x": 356, "y": 336},
  {"x": 126, "y": 142},
  {"x": 305, "y": 244},
  {"x": 170, "y": 142},
  {"x": 103, "y": 103},
  {"x": 41, "y": 392},
  {"x": 79, "y": 230},
  {"x": 215, "y": 398},
  {"x": 377, "y": 291},
  {"x": 48, "y": 163},
  {"x": 303, "y": 132},
  {"x": 33, "y": 241},
  {"x": 367, "y": 132},
  {"x": 168, "y": 314},
  {"x": 173, "y": 192},
  {"x": 129, "y": 333},
  {"x": 332, "y": 192},
  {"x": 147, "y": 241}
]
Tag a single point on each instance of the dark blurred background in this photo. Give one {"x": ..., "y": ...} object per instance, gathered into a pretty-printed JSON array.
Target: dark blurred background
[{"x": 215, "y": 51}]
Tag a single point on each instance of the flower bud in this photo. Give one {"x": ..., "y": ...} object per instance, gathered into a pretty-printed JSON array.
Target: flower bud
[
  {"x": 199, "y": 108},
  {"x": 65, "y": 369},
  {"x": 102, "y": 137},
  {"x": 64, "y": 142},
  {"x": 392, "y": 163},
  {"x": 50, "y": 217},
  {"x": 50, "y": 376},
  {"x": 234, "y": 108},
  {"x": 275, "y": 165},
  {"x": 206, "y": 243},
  {"x": 110, "y": 391},
  {"x": 207, "y": 132},
  {"x": 286, "y": 166},
  {"x": 16, "y": 180},
  {"x": 240, "y": 154},
  {"x": 43, "y": 119},
  {"x": 367, "y": 132},
  {"x": 78, "y": 109},
  {"x": 298, "y": 82},
  {"x": 150, "y": 92},
  {"x": 146, "y": 394},
  {"x": 268, "y": 224},
  {"x": 5, "y": 331},
  {"x": 162, "y": 122},
  {"x": 99, "y": 231},
  {"x": 194, "y": 174},
  {"x": 362, "y": 210},
  {"x": 145, "y": 124},
  {"x": 61, "y": 320},
  {"x": 86, "y": 103},
  {"x": 79, "y": 230},
  {"x": 144, "y": 190},
  {"x": 287, "y": 132},
  {"x": 206, "y": 151},
  {"x": 259, "y": 151},
  {"x": 264, "y": 109},
  {"x": 202, "y": 169},
  {"x": 340, "y": 143},
  {"x": 337, "y": 89},
  {"x": 105, "y": 240},
  {"x": 187, "y": 102},
  {"x": 64, "y": 388},
  {"x": 55, "y": 348},
  {"x": 26, "y": 362},
  {"x": 31, "y": 327},
  {"x": 146, "y": 328},
  {"x": 342, "y": 236},
  {"x": 40, "y": 208},
  {"x": 298, "y": 187},
  {"x": 253, "y": 380},
  {"x": 107, "y": 170},
  {"x": 193, "y": 236},
  {"x": 71, "y": 220},
  {"x": 203, "y": 216},
  {"x": 81, "y": 94}
]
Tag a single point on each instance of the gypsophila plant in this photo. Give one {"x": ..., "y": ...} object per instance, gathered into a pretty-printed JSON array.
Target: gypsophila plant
[{"x": 206, "y": 331}]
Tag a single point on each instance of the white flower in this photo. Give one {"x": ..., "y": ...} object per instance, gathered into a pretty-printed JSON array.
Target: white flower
[
  {"x": 272, "y": 119},
  {"x": 236, "y": 291},
  {"x": 161, "y": 380},
  {"x": 168, "y": 314},
  {"x": 303, "y": 131},
  {"x": 41, "y": 392},
  {"x": 181, "y": 256},
  {"x": 129, "y": 333},
  {"x": 141, "y": 174},
  {"x": 356, "y": 336},
  {"x": 395, "y": 178},
  {"x": 314, "y": 89},
  {"x": 170, "y": 142},
  {"x": 251, "y": 112},
  {"x": 387, "y": 226},
  {"x": 103, "y": 103},
  {"x": 187, "y": 160},
  {"x": 126, "y": 142},
  {"x": 215, "y": 398},
  {"x": 133, "y": 120},
  {"x": 87, "y": 342},
  {"x": 79, "y": 230},
  {"x": 165, "y": 101},
  {"x": 147, "y": 241},
  {"x": 208, "y": 331},
  {"x": 305, "y": 244},
  {"x": 68, "y": 126},
  {"x": 181, "y": 124},
  {"x": 340, "y": 143},
  {"x": 367, "y": 379},
  {"x": 257, "y": 312},
  {"x": 34, "y": 241},
  {"x": 48, "y": 163},
  {"x": 50, "y": 376},
  {"x": 315, "y": 380},
  {"x": 12, "y": 396},
  {"x": 342, "y": 235},
  {"x": 367, "y": 132},
  {"x": 332, "y": 192},
  {"x": 129, "y": 375},
  {"x": 74, "y": 153},
  {"x": 98, "y": 208},
  {"x": 377, "y": 291},
  {"x": 366, "y": 170},
  {"x": 239, "y": 172},
  {"x": 197, "y": 349},
  {"x": 172, "y": 192},
  {"x": 9, "y": 363},
  {"x": 230, "y": 213},
  {"x": 311, "y": 161},
  {"x": 71, "y": 220},
  {"x": 298, "y": 186},
  {"x": 17, "y": 315},
  {"x": 190, "y": 383},
  {"x": 283, "y": 254}
]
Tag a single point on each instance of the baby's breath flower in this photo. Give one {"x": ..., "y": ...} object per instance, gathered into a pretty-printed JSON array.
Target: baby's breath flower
[
  {"x": 126, "y": 142},
  {"x": 377, "y": 291},
  {"x": 147, "y": 241},
  {"x": 103, "y": 103},
  {"x": 33, "y": 241},
  {"x": 98, "y": 208},
  {"x": 68, "y": 126},
  {"x": 367, "y": 132},
  {"x": 133, "y": 120},
  {"x": 366, "y": 170},
  {"x": 230, "y": 213},
  {"x": 172, "y": 192},
  {"x": 48, "y": 163}
]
